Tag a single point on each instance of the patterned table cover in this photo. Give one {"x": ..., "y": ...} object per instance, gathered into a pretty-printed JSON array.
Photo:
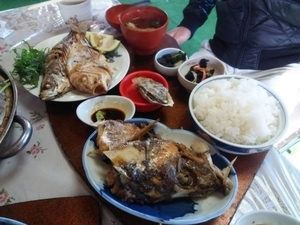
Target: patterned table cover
[{"x": 41, "y": 170}]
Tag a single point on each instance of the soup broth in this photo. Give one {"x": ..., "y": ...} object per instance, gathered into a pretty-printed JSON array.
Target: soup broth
[{"x": 144, "y": 23}]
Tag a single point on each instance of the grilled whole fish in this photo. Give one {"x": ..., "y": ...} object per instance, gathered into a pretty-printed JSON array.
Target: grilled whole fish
[
  {"x": 156, "y": 170},
  {"x": 151, "y": 169},
  {"x": 88, "y": 70},
  {"x": 73, "y": 63},
  {"x": 55, "y": 81}
]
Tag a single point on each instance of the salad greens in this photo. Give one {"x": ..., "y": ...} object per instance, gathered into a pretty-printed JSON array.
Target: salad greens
[{"x": 29, "y": 64}]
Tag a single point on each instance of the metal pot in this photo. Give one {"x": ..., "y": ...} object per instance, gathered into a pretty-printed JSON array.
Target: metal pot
[{"x": 7, "y": 148}]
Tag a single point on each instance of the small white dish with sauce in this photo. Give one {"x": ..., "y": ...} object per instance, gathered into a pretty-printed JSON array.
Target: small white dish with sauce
[{"x": 113, "y": 106}]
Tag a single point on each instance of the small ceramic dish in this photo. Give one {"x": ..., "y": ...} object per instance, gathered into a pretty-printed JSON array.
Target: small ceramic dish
[
  {"x": 261, "y": 217},
  {"x": 212, "y": 63},
  {"x": 169, "y": 71},
  {"x": 129, "y": 90},
  {"x": 113, "y": 13},
  {"x": 81, "y": 9},
  {"x": 113, "y": 106}
]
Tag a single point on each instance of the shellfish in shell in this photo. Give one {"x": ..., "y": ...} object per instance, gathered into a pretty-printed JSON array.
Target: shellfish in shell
[{"x": 153, "y": 91}]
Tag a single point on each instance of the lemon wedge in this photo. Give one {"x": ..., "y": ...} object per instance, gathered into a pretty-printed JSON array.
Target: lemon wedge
[{"x": 104, "y": 43}]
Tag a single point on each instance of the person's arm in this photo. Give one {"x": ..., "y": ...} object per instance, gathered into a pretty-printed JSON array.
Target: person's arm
[{"x": 194, "y": 16}]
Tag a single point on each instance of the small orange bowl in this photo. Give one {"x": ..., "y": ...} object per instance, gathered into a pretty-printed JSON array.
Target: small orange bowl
[
  {"x": 129, "y": 90},
  {"x": 113, "y": 13}
]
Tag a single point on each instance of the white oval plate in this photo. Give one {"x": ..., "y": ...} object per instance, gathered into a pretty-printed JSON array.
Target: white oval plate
[
  {"x": 178, "y": 211},
  {"x": 120, "y": 68}
]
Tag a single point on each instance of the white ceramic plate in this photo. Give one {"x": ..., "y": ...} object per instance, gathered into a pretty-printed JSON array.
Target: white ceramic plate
[
  {"x": 179, "y": 211},
  {"x": 265, "y": 217},
  {"x": 120, "y": 67}
]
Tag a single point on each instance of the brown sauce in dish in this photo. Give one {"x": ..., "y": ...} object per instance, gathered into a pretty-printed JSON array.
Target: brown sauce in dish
[{"x": 109, "y": 114}]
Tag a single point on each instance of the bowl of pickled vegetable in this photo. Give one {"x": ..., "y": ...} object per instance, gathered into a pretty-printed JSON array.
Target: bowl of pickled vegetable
[
  {"x": 194, "y": 70},
  {"x": 168, "y": 60},
  {"x": 114, "y": 107}
]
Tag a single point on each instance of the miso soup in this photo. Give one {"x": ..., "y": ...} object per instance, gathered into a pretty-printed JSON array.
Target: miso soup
[{"x": 144, "y": 23}]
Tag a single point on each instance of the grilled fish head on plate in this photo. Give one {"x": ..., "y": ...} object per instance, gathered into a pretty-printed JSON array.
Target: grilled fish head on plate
[{"x": 151, "y": 169}]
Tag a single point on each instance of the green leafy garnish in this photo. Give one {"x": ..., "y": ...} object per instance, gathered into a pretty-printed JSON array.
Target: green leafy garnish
[
  {"x": 155, "y": 24},
  {"x": 29, "y": 65},
  {"x": 3, "y": 85}
]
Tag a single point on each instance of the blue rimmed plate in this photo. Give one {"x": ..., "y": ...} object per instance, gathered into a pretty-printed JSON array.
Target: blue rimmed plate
[
  {"x": 178, "y": 211},
  {"x": 8, "y": 221}
]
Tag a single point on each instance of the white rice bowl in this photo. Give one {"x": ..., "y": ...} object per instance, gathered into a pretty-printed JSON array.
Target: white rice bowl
[{"x": 238, "y": 110}]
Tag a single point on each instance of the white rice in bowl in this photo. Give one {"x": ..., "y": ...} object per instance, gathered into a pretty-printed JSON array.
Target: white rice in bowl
[{"x": 237, "y": 110}]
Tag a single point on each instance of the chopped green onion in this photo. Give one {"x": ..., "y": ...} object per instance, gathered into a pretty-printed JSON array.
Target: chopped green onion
[
  {"x": 100, "y": 115},
  {"x": 3, "y": 85}
]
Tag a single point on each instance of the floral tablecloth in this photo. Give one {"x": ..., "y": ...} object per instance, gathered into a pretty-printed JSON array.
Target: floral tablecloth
[{"x": 41, "y": 170}]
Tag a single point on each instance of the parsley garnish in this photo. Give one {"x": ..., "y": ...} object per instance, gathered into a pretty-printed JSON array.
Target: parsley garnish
[{"x": 29, "y": 64}]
